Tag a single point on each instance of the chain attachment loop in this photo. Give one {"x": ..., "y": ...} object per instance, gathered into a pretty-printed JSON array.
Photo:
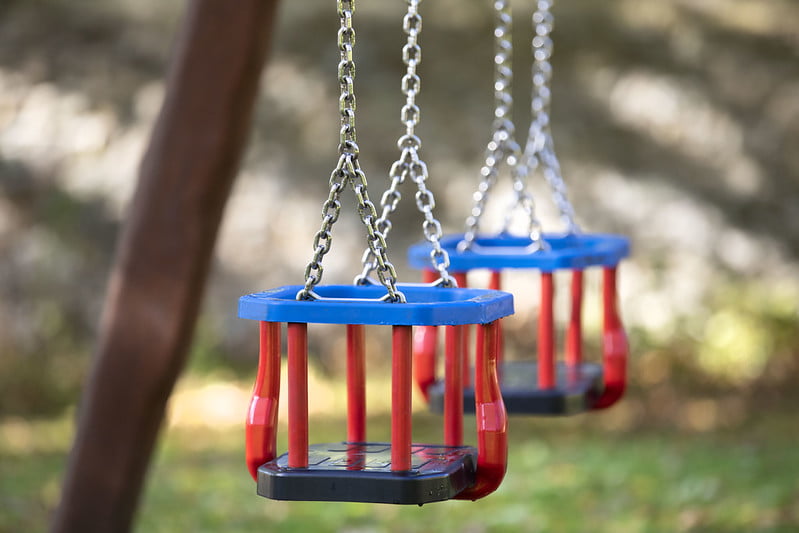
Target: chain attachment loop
[
  {"x": 503, "y": 148},
  {"x": 540, "y": 148},
  {"x": 410, "y": 165},
  {"x": 348, "y": 173}
]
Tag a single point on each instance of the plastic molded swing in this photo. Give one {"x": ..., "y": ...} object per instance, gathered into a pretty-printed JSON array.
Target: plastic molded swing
[
  {"x": 357, "y": 470},
  {"x": 545, "y": 386},
  {"x": 396, "y": 472}
]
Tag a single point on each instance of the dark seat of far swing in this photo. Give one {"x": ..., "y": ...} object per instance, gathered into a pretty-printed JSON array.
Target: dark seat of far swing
[
  {"x": 576, "y": 390},
  {"x": 361, "y": 472}
]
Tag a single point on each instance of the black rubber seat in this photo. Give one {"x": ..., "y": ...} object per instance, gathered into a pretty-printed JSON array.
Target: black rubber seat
[{"x": 361, "y": 472}]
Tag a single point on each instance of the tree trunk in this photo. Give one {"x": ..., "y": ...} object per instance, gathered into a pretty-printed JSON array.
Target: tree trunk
[{"x": 163, "y": 258}]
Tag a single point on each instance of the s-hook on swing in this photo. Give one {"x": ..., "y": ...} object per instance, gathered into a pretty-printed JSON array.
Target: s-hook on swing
[
  {"x": 545, "y": 387},
  {"x": 398, "y": 471}
]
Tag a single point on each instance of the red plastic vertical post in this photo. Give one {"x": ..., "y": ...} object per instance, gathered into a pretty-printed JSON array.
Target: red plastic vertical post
[
  {"x": 261, "y": 428},
  {"x": 356, "y": 383},
  {"x": 614, "y": 343},
  {"x": 491, "y": 418},
  {"x": 425, "y": 346},
  {"x": 401, "y": 375},
  {"x": 297, "y": 354},
  {"x": 453, "y": 386},
  {"x": 495, "y": 284},
  {"x": 546, "y": 334},
  {"x": 461, "y": 279},
  {"x": 574, "y": 331},
  {"x": 466, "y": 365}
]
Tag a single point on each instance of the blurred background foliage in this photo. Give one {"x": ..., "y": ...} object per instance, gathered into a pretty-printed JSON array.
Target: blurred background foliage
[{"x": 677, "y": 123}]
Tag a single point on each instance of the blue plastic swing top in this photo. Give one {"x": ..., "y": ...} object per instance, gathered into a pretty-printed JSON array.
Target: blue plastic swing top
[
  {"x": 569, "y": 251},
  {"x": 358, "y": 304}
]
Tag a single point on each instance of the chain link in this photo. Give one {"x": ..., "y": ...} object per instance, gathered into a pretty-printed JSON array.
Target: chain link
[
  {"x": 348, "y": 172},
  {"x": 410, "y": 165},
  {"x": 503, "y": 148},
  {"x": 540, "y": 147}
]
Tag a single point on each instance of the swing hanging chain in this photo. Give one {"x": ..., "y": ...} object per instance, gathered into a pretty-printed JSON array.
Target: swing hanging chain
[
  {"x": 503, "y": 147},
  {"x": 410, "y": 164},
  {"x": 503, "y": 128},
  {"x": 348, "y": 173},
  {"x": 540, "y": 147},
  {"x": 524, "y": 200}
]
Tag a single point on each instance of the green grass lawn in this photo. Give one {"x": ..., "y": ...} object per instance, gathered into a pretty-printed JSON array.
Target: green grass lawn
[{"x": 562, "y": 476}]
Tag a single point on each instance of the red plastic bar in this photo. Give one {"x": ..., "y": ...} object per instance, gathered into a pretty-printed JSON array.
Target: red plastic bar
[
  {"x": 401, "y": 375},
  {"x": 574, "y": 332},
  {"x": 491, "y": 418},
  {"x": 495, "y": 283},
  {"x": 425, "y": 345},
  {"x": 466, "y": 330},
  {"x": 356, "y": 383},
  {"x": 297, "y": 351},
  {"x": 614, "y": 343},
  {"x": 546, "y": 334},
  {"x": 453, "y": 386},
  {"x": 466, "y": 365},
  {"x": 261, "y": 428}
]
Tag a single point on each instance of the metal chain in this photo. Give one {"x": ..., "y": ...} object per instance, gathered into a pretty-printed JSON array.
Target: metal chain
[
  {"x": 348, "y": 172},
  {"x": 524, "y": 200},
  {"x": 502, "y": 147},
  {"x": 410, "y": 164},
  {"x": 540, "y": 146}
]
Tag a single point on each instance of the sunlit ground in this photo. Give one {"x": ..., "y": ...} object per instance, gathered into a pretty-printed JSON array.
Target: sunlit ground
[{"x": 587, "y": 473}]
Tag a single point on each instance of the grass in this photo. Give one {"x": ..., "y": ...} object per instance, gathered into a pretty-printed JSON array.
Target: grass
[
  {"x": 569, "y": 475},
  {"x": 558, "y": 481}
]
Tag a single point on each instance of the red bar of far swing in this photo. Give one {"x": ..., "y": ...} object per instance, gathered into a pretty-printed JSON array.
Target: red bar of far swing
[
  {"x": 495, "y": 284},
  {"x": 615, "y": 348},
  {"x": 574, "y": 340},
  {"x": 425, "y": 348},
  {"x": 546, "y": 332}
]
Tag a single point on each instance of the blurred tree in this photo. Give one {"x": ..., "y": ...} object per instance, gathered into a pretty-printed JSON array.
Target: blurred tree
[{"x": 163, "y": 259}]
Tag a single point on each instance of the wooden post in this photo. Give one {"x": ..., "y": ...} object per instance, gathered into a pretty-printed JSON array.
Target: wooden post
[{"x": 163, "y": 257}]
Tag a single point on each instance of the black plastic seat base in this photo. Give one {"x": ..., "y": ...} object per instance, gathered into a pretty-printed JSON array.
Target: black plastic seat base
[
  {"x": 576, "y": 391},
  {"x": 361, "y": 472}
]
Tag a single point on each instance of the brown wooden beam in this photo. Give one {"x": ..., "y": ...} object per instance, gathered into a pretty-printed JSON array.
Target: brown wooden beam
[{"x": 163, "y": 258}]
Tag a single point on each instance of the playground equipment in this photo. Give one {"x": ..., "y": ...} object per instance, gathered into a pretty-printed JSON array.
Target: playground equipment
[
  {"x": 545, "y": 386},
  {"x": 356, "y": 469}
]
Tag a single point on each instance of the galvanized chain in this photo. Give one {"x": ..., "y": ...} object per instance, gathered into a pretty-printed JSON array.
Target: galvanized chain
[
  {"x": 524, "y": 200},
  {"x": 540, "y": 146},
  {"x": 502, "y": 147},
  {"x": 348, "y": 172},
  {"x": 410, "y": 164}
]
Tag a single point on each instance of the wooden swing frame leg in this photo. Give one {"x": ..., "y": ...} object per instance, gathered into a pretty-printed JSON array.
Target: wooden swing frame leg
[{"x": 163, "y": 258}]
